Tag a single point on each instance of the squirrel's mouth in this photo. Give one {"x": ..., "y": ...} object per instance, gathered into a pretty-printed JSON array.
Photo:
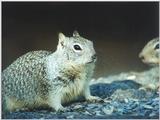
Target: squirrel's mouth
[
  {"x": 92, "y": 61},
  {"x": 150, "y": 63}
]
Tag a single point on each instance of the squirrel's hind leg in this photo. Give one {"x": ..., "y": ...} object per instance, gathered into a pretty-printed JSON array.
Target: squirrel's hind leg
[{"x": 12, "y": 104}]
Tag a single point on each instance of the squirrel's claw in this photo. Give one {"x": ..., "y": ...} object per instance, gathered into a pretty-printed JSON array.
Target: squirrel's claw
[
  {"x": 94, "y": 99},
  {"x": 61, "y": 109}
]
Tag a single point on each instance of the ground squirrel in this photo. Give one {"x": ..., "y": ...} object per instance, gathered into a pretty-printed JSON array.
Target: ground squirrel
[
  {"x": 150, "y": 52},
  {"x": 148, "y": 79},
  {"x": 150, "y": 56},
  {"x": 43, "y": 78}
]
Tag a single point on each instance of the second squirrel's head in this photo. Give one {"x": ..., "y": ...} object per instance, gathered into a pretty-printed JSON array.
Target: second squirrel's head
[
  {"x": 76, "y": 48},
  {"x": 150, "y": 52}
]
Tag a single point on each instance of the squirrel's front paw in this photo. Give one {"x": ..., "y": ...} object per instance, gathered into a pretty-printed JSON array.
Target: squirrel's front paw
[
  {"x": 60, "y": 108},
  {"x": 94, "y": 99}
]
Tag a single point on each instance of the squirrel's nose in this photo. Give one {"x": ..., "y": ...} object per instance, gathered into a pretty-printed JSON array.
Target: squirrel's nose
[
  {"x": 141, "y": 56},
  {"x": 94, "y": 57}
]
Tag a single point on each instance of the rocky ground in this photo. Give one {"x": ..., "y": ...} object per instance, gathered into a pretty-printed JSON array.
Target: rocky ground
[{"x": 122, "y": 100}]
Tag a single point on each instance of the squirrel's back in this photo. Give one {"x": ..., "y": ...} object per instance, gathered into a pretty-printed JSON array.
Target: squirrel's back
[{"x": 21, "y": 79}]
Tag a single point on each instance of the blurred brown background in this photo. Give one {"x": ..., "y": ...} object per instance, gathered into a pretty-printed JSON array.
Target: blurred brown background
[{"x": 119, "y": 30}]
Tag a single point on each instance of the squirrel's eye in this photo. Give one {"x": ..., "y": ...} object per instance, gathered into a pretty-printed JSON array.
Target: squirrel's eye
[
  {"x": 77, "y": 47},
  {"x": 156, "y": 47}
]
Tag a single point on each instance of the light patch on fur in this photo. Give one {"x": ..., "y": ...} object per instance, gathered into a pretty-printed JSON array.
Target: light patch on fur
[
  {"x": 50, "y": 63},
  {"x": 13, "y": 104}
]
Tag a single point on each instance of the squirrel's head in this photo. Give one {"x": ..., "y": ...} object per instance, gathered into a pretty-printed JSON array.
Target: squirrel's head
[
  {"x": 150, "y": 53},
  {"x": 76, "y": 48}
]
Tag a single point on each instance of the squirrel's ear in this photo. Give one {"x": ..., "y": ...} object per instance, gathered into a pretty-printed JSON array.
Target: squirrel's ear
[
  {"x": 76, "y": 34},
  {"x": 61, "y": 37}
]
